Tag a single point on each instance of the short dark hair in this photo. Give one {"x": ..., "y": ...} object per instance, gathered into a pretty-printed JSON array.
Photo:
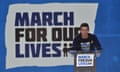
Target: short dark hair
[{"x": 84, "y": 25}]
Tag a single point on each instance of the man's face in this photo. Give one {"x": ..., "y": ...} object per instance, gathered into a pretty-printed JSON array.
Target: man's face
[{"x": 84, "y": 30}]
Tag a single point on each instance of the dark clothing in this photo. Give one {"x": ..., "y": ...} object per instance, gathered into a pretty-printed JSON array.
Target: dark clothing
[{"x": 91, "y": 42}]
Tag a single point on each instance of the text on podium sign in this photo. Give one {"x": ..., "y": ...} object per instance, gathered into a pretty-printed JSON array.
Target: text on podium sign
[{"x": 85, "y": 60}]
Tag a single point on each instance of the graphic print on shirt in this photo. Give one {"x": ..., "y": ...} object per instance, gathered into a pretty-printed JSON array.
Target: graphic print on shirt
[{"x": 85, "y": 46}]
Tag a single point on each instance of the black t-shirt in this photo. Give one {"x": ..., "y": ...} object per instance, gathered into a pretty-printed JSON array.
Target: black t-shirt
[{"x": 89, "y": 43}]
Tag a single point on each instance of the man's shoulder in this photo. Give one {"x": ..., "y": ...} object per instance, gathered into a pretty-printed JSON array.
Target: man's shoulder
[
  {"x": 77, "y": 37},
  {"x": 91, "y": 35}
]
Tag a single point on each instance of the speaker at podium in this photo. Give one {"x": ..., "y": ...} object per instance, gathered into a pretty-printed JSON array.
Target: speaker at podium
[{"x": 84, "y": 59}]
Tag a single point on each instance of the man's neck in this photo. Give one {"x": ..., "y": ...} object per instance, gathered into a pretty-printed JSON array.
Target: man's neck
[{"x": 84, "y": 36}]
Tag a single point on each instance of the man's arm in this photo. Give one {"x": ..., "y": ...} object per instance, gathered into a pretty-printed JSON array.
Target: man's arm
[
  {"x": 75, "y": 45},
  {"x": 97, "y": 43}
]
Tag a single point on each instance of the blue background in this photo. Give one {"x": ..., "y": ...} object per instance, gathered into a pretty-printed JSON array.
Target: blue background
[{"x": 107, "y": 29}]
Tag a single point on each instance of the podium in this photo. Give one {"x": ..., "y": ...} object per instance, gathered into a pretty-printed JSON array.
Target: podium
[{"x": 85, "y": 61}]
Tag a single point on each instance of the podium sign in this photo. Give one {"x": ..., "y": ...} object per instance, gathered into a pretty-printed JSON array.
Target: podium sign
[{"x": 85, "y": 60}]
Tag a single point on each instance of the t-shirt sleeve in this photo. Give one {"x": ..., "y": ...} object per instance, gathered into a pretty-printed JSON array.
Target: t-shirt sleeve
[
  {"x": 97, "y": 43},
  {"x": 75, "y": 44}
]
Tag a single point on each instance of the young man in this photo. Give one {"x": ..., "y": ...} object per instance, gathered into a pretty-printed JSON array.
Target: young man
[{"x": 86, "y": 41}]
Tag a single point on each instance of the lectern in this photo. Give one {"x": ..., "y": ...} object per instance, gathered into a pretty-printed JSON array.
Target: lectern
[{"x": 85, "y": 61}]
